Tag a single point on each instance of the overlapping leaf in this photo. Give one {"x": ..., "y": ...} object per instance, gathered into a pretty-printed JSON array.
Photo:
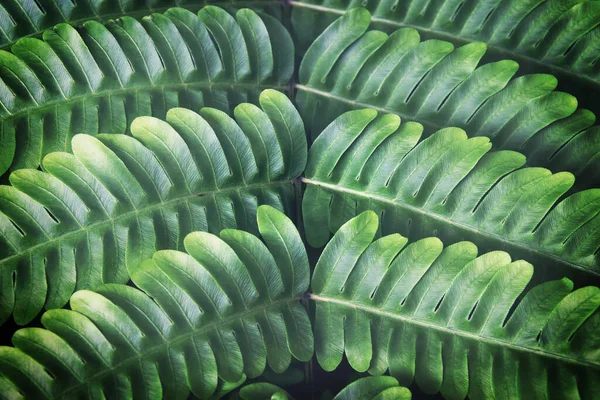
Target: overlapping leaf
[
  {"x": 433, "y": 83},
  {"x": 369, "y": 388},
  {"x": 117, "y": 198},
  {"x": 452, "y": 187},
  {"x": 20, "y": 18},
  {"x": 444, "y": 317},
  {"x": 226, "y": 308},
  {"x": 556, "y": 37},
  {"x": 99, "y": 78}
]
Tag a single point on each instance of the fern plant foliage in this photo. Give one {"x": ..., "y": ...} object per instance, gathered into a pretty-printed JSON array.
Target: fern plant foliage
[
  {"x": 29, "y": 18},
  {"x": 368, "y": 388},
  {"x": 99, "y": 78},
  {"x": 450, "y": 186},
  {"x": 160, "y": 189},
  {"x": 556, "y": 37},
  {"x": 226, "y": 307},
  {"x": 438, "y": 85},
  {"x": 117, "y": 198},
  {"x": 444, "y": 317}
]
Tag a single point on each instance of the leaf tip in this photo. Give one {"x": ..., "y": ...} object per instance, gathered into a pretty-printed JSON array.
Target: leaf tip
[
  {"x": 272, "y": 95},
  {"x": 368, "y": 217},
  {"x": 567, "y": 283},
  {"x": 358, "y": 15},
  {"x": 267, "y": 210},
  {"x": 81, "y": 142}
]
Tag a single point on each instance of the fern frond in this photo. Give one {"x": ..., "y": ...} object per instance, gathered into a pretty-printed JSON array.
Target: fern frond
[
  {"x": 226, "y": 308},
  {"x": 561, "y": 38},
  {"x": 29, "y": 18},
  {"x": 433, "y": 83},
  {"x": 99, "y": 78},
  {"x": 117, "y": 199},
  {"x": 449, "y": 186},
  {"x": 444, "y": 317},
  {"x": 368, "y": 388}
]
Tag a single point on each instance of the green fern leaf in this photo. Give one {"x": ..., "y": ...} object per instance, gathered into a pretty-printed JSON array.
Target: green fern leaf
[
  {"x": 226, "y": 308},
  {"x": 444, "y": 317},
  {"x": 438, "y": 86},
  {"x": 449, "y": 186},
  {"x": 99, "y": 78},
  {"x": 117, "y": 199},
  {"x": 29, "y": 18},
  {"x": 369, "y": 388},
  {"x": 555, "y": 37}
]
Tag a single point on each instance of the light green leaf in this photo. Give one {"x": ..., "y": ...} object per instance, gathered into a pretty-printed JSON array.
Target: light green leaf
[
  {"x": 98, "y": 78},
  {"x": 543, "y": 36},
  {"x": 197, "y": 317},
  {"x": 117, "y": 199},
  {"x": 440, "y": 85},
  {"x": 454, "y": 322},
  {"x": 452, "y": 187}
]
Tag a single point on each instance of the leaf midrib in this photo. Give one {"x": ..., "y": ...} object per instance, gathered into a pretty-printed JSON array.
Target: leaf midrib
[
  {"x": 129, "y": 214},
  {"x": 452, "y": 331},
  {"x": 359, "y": 104},
  {"x": 502, "y": 51},
  {"x": 489, "y": 235},
  {"x": 142, "y": 87},
  {"x": 177, "y": 340}
]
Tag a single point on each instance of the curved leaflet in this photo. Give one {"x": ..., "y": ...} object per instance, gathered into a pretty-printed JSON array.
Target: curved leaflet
[
  {"x": 214, "y": 312},
  {"x": 438, "y": 85},
  {"x": 29, "y": 18},
  {"x": 444, "y": 317},
  {"x": 98, "y": 78},
  {"x": 544, "y": 36},
  {"x": 450, "y": 186},
  {"x": 117, "y": 199}
]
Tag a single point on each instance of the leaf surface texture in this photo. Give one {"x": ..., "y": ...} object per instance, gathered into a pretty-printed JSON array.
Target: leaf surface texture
[
  {"x": 97, "y": 79},
  {"x": 117, "y": 199},
  {"x": 439, "y": 85},
  {"x": 444, "y": 317},
  {"x": 451, "y": 186},
  {"x": 225, "y": 308}
]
